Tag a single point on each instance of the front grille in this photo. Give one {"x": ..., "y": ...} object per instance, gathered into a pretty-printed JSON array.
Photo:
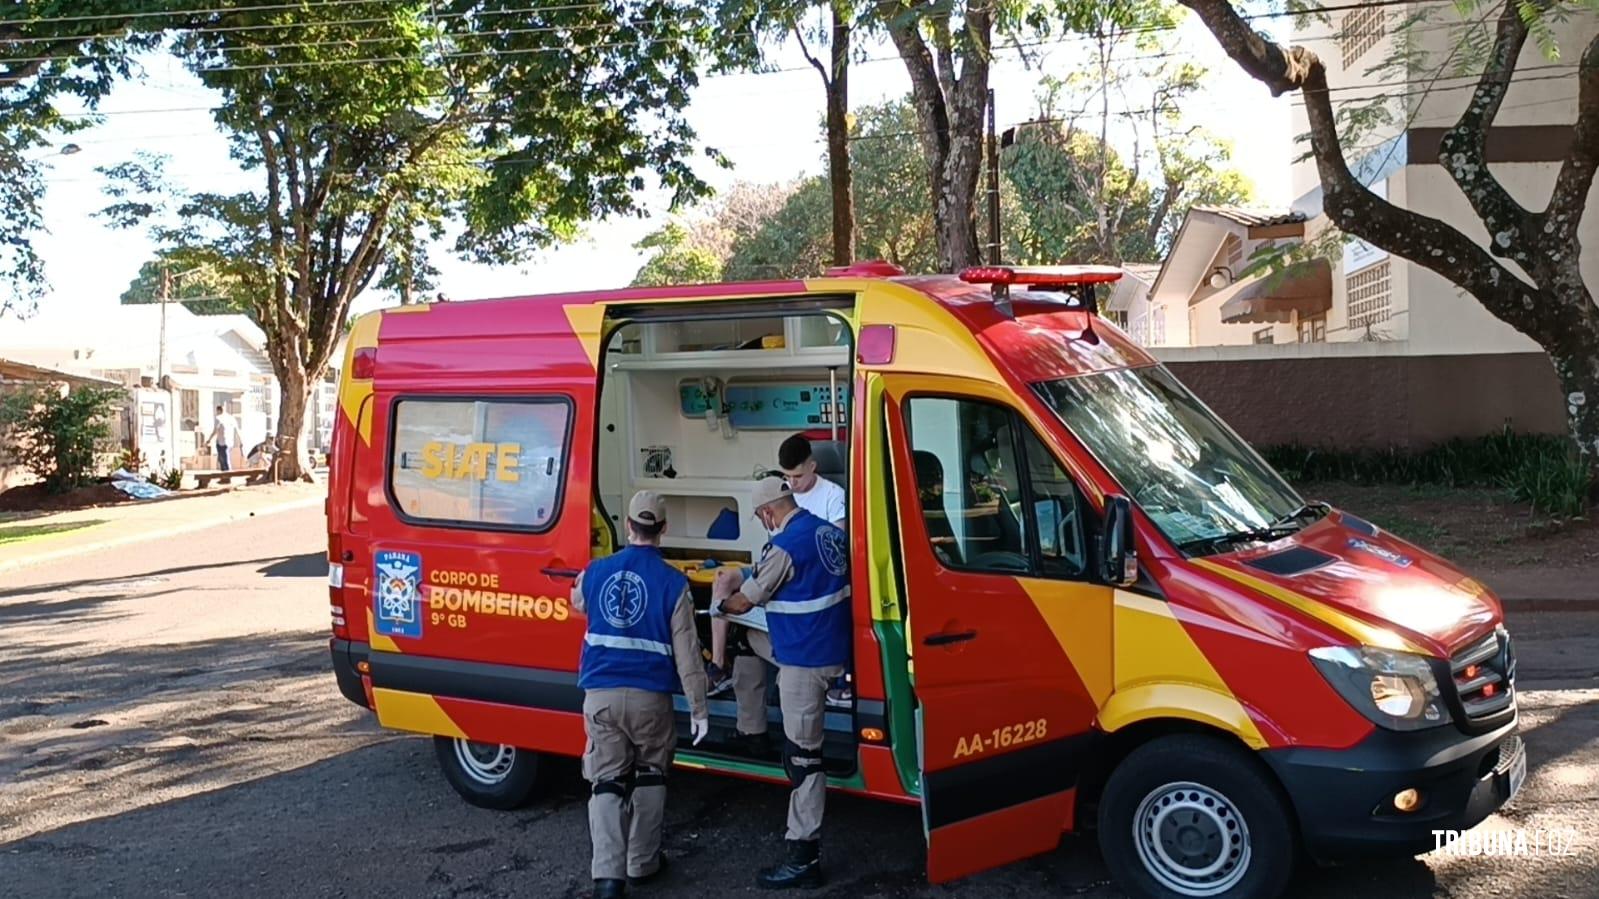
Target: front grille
[{"x": 1485, "y": 675}]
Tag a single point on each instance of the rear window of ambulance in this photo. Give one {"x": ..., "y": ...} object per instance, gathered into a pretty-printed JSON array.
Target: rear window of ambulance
[{"x": 478, "y": 462}]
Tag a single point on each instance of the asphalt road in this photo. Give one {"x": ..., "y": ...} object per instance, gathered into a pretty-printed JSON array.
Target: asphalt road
[{"x": 169, "y": 727}]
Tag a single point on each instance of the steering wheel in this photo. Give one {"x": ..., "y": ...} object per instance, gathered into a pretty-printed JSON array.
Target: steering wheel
[{"x": 1001, "y": 560}]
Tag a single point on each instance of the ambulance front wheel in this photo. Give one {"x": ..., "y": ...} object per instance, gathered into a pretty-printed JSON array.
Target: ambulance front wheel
[
  {"x": 1195, "y": 816},
  {"x": 488, "y": 775}
]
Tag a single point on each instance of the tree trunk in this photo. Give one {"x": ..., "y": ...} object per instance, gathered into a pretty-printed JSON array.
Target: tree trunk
[
  {"x": 955, "y": 217},
  {"x": 293, "y": 459},
  {"x": 838, "y": 167},
  {"x": 949, "y": 116},
  {"x": 1544, "y": 296}
]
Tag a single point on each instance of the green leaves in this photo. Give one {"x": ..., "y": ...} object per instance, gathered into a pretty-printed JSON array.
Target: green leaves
[{"x": 56, "y": 437}]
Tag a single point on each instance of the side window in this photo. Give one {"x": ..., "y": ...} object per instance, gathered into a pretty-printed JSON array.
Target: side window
[
  {"x": 968, "y": 481},
  {"x": 1057, "y": 513},
  {"x": 479, "y": 462}
]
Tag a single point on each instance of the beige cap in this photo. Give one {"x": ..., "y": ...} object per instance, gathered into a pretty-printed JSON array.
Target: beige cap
[
  {"x": 647, "y": 508},
  {"x": 767, "y": 490}
]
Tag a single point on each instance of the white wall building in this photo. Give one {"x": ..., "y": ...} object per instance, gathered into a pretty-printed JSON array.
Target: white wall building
[
  {"x": 1372, "y": 297},
  {"x": 209, "y": 360}
]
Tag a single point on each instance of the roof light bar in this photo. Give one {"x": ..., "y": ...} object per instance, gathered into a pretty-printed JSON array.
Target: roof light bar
[
  {"x": 1077, "y": 281},
  {"x": 1041, "y": 275}
]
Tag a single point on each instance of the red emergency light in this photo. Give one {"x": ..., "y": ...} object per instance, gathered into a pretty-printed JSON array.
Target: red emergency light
[
  {"x": 1075, "y": 281},
  {"x": 1044, "y": 276}
]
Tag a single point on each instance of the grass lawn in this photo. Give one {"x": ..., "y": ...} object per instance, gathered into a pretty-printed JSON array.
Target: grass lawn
[
  {"x": 1476, "y": 528},
  {"x": 18, "y": 533}
]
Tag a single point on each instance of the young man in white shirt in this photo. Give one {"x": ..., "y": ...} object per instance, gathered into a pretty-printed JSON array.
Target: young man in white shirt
[{"x": 816, "y": 495}]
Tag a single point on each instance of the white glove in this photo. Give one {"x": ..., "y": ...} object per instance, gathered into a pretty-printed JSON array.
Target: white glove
[{"x": 698, "y": 728}]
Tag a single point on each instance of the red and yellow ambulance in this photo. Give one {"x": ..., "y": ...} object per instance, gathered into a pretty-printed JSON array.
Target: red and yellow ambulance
[{"x": 1080, "y": 600}]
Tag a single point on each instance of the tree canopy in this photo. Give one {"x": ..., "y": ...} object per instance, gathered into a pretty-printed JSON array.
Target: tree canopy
[{"x": 371, "y": 125}]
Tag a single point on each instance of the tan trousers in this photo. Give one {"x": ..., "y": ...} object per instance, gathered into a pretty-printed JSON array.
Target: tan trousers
[
  {"x": 631, "y": 738},
  {"x": 802, "y": 695},
  {"x": 749, "y": 683}
]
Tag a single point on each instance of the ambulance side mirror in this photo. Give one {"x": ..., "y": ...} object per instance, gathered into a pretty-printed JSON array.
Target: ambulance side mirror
[{"x": 1119, "y": 565}]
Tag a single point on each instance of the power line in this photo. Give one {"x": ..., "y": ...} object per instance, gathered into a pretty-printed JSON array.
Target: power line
[
  {"x": 334, "y": 23},
  {"x": 273, "y": 7}
]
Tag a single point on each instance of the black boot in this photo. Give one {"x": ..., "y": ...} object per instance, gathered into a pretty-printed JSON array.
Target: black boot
[
  {"x": 610, "y": 888},
  {"x": 802, "y": 869},
  {"x": 758, "y": 746}
]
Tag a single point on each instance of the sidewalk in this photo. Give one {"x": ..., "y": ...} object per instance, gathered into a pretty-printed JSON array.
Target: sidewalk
[
  {"x": 1545, "y": 588},
  {"x": 64, "y": 534}
]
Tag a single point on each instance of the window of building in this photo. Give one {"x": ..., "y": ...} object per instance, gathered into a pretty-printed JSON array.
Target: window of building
[
  {"x": 992, "y": 502},
  {"x": 1264, "y": 335},
  {"x": 1313, "y": 329},
  {"x": 1367, "y": 293},
  {"x": 1157, "y": 326},
  {"x": 500, "y": 463},
  {"x": 189, "y": 402},
  {"x": 1235, "y": 254},
  {"x": 1359, "y": 30}
]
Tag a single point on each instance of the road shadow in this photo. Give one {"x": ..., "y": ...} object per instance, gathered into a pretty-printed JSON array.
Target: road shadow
[
  {"x": 386, "y": 824},
  {"x": 110, "y": 582},
  {"x": 313, "y": 565},
  {"x": 101, "y": 678}
]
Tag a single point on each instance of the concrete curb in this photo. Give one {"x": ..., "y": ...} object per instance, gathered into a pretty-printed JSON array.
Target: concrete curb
[{"x": 141, "y": 536}]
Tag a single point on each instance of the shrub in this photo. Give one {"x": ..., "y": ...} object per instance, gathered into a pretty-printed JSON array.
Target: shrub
[
  {"x": 131, "y": 460},
  {"x": 1461, "y": 462},
  {"x": 171, "y": 479},
  {"x": 56, "y": 436},
  {"x": 1541, "y": 470},
  {"x": 1558, "y": 487}
]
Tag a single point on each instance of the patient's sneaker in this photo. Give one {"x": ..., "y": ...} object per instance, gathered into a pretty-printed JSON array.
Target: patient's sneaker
[
  {"x": 841, "y": 694},
  {"x": 720, "y": 682}
]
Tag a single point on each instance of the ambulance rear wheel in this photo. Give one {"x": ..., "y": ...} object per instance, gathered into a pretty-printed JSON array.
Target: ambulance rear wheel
[
  {"x": 488, "y": 775},
  {"x": 1194, "y": 816}
]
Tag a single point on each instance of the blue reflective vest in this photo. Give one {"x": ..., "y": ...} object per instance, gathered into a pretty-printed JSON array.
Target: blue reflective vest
[
  {"x": 629, "y": 598},
  {"x": 809, "y": 616}
]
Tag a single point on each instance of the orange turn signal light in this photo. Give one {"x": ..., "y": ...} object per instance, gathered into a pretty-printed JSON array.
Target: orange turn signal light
[
  {"x": 873, "y": 735},
  {"x": 364, "y": 666}
]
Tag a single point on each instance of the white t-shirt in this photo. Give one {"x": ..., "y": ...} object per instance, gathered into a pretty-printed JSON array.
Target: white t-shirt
[
  {"x": 225, "y": 430},
  {"x": 825, "y": 500}
]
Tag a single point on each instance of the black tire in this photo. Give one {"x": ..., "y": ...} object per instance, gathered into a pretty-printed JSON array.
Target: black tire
[
  {"x": 1202, "y": 803},
  {"x": 488, "y": 775}
]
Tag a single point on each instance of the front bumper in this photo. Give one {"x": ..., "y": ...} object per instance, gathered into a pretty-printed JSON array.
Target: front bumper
[
  {"x": 1344, "y": 797},
  {"x": 345, "y": 655}
]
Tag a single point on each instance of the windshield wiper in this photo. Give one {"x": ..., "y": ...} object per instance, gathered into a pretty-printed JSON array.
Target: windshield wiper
[
  {"x": 1253, "y": 535},
  {"x": 1308, "y": 510}
]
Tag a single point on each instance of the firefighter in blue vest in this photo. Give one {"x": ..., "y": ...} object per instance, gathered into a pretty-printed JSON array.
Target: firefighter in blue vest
[
  {"x": 641, "y": 643},
  {"x": 802, "y": 581}
]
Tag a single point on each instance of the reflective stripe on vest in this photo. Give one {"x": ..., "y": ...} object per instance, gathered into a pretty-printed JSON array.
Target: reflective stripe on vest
[
  {"x": 637, "y": 643},
  {"x": 806, "y": 606}
]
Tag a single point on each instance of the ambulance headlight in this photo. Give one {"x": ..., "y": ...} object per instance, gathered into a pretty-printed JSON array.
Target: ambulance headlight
[{"x": 1396, "y": 690}]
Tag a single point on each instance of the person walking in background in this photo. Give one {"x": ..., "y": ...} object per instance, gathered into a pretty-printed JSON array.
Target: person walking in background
[{"x": 224, "y": 434}]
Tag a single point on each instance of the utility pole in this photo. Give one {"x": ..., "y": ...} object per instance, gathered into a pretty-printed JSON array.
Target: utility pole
[
  {"x": 993, "y": 185},
  {"x": 166, "y": 294}
]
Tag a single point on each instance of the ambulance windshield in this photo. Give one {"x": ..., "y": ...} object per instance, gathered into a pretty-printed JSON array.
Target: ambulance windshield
[{"x": 1200, "y": 483}]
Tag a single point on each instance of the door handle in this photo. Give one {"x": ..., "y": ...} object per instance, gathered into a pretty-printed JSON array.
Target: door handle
[
  {"x": 569, "y": 574},
  {"x": 947, "y": 638}
]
